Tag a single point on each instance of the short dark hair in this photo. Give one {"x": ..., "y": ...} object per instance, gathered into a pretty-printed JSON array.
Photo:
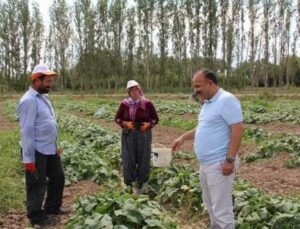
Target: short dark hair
[{"x": 208, "y": 74}]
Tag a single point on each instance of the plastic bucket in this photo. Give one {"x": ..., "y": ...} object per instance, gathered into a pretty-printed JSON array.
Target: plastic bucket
[{"x": 161, "y": 156}]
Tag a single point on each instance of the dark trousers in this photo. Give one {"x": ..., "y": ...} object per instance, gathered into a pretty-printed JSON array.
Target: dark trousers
[
  {"x": 136, "y": 155},
  {"x": 48, "y": 176}
]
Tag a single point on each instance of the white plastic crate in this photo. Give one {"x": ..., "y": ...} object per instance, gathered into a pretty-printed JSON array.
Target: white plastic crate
[{"x": 161, "y": 156}]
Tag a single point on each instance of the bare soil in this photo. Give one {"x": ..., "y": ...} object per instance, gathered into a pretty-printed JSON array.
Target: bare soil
[
  {"x": 269, "y": 175},
  {"x": 247, "y": 148},
  {"x": 161, "y": 134},
  {"x": 272, "y": 176},
  {"x": 279, "y": 127},
  {"x": 18, "y": 220}
]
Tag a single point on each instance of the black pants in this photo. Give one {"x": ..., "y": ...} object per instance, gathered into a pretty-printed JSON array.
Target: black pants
[
  {"x": 49, "y": 176},
  {"x": 136, "y": 155}
]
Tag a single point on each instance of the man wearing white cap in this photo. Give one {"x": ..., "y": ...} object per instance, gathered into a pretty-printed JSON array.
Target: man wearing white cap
[{"x": 38, "y": 130}]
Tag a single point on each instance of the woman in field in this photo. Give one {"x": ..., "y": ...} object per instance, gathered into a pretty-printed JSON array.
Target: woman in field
[{"x": 136, "y": 116}]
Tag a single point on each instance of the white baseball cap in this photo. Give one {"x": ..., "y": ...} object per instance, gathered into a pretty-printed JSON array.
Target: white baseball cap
[
  {"x": 42, "y": 69},
  {"x": 131, "y": 83}
]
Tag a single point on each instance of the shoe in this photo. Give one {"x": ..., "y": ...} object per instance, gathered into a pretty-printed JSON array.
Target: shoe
[
  {"x": 46, "y": 221},
  {"x": 61, "y": 211}
]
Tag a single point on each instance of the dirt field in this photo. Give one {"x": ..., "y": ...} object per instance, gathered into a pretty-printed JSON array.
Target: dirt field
[
  {"x": 269, "y": 175},
  {"x": 18, "y": 220}
]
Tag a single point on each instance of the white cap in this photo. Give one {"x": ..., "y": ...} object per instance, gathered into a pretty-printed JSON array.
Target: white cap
[
  {"x": 42, "y": 69},
  {"x": 131, "y": 83}
]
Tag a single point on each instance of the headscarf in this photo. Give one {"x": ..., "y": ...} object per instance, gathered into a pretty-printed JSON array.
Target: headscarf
[{"x": 135, "y": 104}]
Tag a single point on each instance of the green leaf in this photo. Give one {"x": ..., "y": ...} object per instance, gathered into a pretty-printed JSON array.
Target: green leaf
[
  {"x": 106, "y": 222},
  {"x": 154, "y": 223},
  {"x": 89, "y": 207}
]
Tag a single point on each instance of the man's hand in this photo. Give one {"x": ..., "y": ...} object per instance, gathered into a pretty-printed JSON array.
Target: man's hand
[
  {"x": 145, "y": 126},
  {"x": 227, "y": 168},
  {"x": 129, "y": 125},
  {"x": 30, "y": 166},
  {"x": 177, "y": 143},
  {"x": 58, "y": 151}
]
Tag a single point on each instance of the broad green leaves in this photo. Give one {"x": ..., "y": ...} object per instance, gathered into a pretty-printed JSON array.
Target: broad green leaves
[{"x": 122, "y": 210}]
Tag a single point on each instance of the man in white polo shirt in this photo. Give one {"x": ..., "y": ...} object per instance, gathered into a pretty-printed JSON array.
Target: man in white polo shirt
[{"x": 217, "y": 139}]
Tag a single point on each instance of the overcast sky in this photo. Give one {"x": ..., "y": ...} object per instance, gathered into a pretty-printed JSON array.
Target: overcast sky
[{"x": 45, "y": 5}]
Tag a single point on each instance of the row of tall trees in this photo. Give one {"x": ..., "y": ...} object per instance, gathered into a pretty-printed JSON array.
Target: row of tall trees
[{"x": 103, "y": 43}]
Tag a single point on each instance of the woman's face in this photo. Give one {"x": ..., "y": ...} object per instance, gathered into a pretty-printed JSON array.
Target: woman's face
[{"x": 134, "y": 92}]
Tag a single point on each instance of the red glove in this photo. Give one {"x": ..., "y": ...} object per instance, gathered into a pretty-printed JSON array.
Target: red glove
[{"x": 30, "y": 166}]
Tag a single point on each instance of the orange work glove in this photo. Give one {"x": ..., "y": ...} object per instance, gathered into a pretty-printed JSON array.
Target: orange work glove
[
  {"x": 30, "y": 166},
  {"x": 129, "y": 125},
  {"x": 145, "y": 126},
  {"x": 58, "y": 151}
]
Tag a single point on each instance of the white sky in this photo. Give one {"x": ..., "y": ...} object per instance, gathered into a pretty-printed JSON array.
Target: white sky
[{"x": 44, "y": 7}]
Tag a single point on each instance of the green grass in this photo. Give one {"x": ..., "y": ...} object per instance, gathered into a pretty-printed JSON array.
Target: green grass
[
  {"x": 178, "y": 123},
  {"x": 12, "y": 188}
]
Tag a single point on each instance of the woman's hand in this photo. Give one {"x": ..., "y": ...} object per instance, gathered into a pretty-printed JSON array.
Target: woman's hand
[
  {"x": 129, "y": 125},
  {"x": 145, "y": 126}
]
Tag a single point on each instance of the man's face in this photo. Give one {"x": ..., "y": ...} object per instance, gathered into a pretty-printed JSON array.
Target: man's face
[
  {"x": 202, "y": 86},
  {"x": 43, "y": 86}
]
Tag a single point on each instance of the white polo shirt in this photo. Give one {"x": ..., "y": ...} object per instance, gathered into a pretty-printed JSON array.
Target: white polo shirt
[{"x": 213, "y": 131}]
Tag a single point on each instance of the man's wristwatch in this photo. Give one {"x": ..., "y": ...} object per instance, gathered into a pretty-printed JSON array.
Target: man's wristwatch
[{"x": 230, "y": 159}]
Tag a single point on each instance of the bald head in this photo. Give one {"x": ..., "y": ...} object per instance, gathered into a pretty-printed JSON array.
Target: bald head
[{"x": 208, "y": 74}]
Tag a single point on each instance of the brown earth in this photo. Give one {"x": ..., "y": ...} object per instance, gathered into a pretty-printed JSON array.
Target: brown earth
[
  {"x": 270, "y": 175},
  {"x": 161, "y": 134},
  {"x": 279, "y": 127},
  {"x": 18, "y": 220},
  {"x": 247, "y": 148}
]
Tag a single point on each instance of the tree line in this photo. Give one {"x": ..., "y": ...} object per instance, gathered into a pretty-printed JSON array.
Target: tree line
[{"x": 100, "y": 44}]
